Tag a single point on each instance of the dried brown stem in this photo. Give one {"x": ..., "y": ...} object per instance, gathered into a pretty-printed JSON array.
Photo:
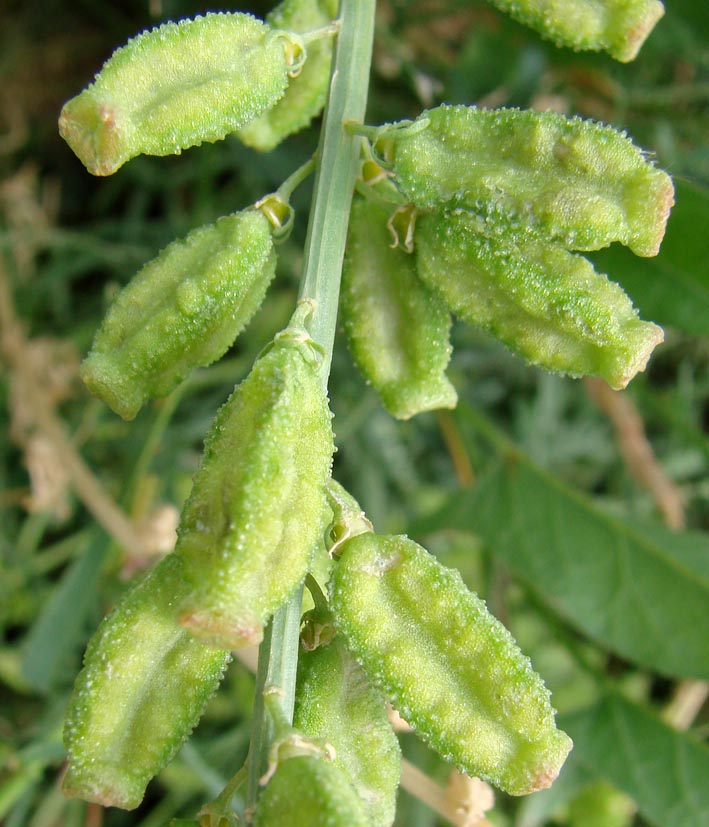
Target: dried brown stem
[
  {"x": 688, "y": 699},
  {"x": 456, "y": 449},
  {"x": 462, "y": 812},
  {"x": 39, "y": 416},
  {"x": 637, "y": 452}
]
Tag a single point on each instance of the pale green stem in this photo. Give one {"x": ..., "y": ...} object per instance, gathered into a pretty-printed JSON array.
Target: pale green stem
[
  {"x": 314, "y": 35},
  {"x": 316, "y": 593},
  {"x": 294, "y": 180},
  {"x": 277, "y": 664},
  {"x": 276, "y": 206},
  {"x": 337, "y": 166},
  {"x": 336, "y": 170}
]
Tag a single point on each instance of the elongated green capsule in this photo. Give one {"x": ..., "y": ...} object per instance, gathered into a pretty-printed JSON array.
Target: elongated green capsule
[
  {"x": 309, "y": 791},
  {"x": 304, "y": 98},
  {"x": 335, "y": 701},
  {"x": 545, "y": 303},
  {"x": 618, "y": 27},
  {"x": 177, "y": 86},
  {"x": 182, "y": 310},
  {"x": 398, "y": 330},
  {"x": 575, "y": 181},
  {"x": 144, "y": 686},
  {"x": 257, "y": 507},
  {"x": 601, "y": 805},
  {"x": 448, "y": 666}
]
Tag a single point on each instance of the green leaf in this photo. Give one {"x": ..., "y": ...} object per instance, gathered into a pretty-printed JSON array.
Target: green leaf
[
  {"x": 640, "y": 593},
  {"x": 673, "y": 288},
  {"x": 663, "y": 770},
  {"x": 58, "y": 631}
]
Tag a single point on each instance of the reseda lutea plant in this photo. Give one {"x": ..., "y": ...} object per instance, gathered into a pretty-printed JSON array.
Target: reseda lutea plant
[{"x": 463, "y": 210}]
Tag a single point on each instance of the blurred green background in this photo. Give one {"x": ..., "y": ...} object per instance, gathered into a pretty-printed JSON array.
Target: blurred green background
[{"x": 69, "y": 241}]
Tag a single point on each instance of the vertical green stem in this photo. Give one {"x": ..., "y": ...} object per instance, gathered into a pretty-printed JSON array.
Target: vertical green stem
[
  {"x": 337, "y": 165},
  {"x": 277, "y": 664}
]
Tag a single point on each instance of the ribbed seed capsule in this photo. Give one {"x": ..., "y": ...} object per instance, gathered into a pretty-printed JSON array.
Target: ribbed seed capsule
[
  {"x": 448, "y": 666},
  {"x": 545, "y": 303},
  {"x": 618, "y": 27},
  {"x": 309, "y": 791},
  {"x": 182, "y": 310},
  {"x": 575, "y": 181},
  {"x": 177, "y": 86},
  {"x": 305, "y": 96},
  {"x": 398, "y": 330},
  {"x": 257, "y": 508},
  {"x": 144, "y": 685},
  {"x": 335, "y": 701}
]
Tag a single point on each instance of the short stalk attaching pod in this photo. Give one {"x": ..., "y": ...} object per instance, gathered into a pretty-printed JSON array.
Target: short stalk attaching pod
[{"x": 348, "y": 518}]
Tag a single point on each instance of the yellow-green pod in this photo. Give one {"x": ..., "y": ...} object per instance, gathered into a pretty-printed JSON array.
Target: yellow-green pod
[
  {"x": 257, "y": 508},
  {"x": 182, "y": 310},
  {"x": 398, "y": 331},
  {"x": 601, "y": 805},
  {"x": 334, "y": 701},
  {"x": 577, "y": 182},
  {"x": 177, "y": 86},
  {"x": 304, "y": 98},
  {"x": 618, "y": 27},
  {"x": 144, "y": 686},
  {"x": 309, "y": 791},
  {"x": 448, "y": 666},
  {"x": 545, "y": 303}
]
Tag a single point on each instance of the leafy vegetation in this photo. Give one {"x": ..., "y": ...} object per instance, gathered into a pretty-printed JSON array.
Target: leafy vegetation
[{"x": 579, "y": 514}]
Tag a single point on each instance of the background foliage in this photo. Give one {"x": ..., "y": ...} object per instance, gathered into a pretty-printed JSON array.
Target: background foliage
[{"x": 579, "y": 514}]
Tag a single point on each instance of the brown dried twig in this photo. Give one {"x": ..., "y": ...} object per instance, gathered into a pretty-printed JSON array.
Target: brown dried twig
[{"x": 637, "y": 452}]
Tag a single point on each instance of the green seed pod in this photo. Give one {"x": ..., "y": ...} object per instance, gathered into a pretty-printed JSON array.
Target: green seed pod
[
  {"x": 304, "y": 98},
  {"x": 398, "y": 330},
  {"x": 257, "y": 508},
  {"x": 618, "y": 27},
  {"x": 177, "y": 86},
  {"x": 575, "y": 181},
  {"x": 448, "y": 666},
  {"x": 544, "y": 302},
  {"x": 309, "y": 791},
  {"x": 182, "y": 310},
  {"x": 334, "y": 701},
  {"x": 601, "y": 805},
  {"x": 144, "y": 685}
]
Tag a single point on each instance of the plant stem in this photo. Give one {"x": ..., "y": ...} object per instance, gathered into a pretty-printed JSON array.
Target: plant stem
[
  {"x": 337, "y": 165},
  {"x": 295, "y": 179},
  {"x": 277, "y": 664}
]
